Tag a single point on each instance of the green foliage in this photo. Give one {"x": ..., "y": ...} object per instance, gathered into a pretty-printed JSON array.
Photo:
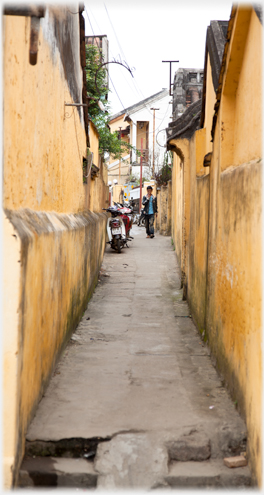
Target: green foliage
[
  {"x": 136, "y": 179},
  {"x": 108, "y": 142},
  {"x": 164, "y": 174},
  {"x": 94, "y": 59}
]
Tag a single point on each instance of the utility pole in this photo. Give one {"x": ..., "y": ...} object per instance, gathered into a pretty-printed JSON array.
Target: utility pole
[
  {"x": 119, "y": 157},
  {"x": 170, "y": 62},
  {"x": 140, "y": 187},
  {"x": 153, "y": 139}
]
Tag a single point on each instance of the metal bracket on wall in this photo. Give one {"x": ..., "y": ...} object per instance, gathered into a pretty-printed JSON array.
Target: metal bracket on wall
[
  {"x": 66, "y": 114},
  {"x": 35, "y": 12}
]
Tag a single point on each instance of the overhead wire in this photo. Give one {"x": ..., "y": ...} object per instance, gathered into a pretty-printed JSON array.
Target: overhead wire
[
  {"x": 125, "y": 58},
  {"x": 99, "y": 49},
  {"x": 122, "y": 72},
  {"x": 138, "y": 90}
]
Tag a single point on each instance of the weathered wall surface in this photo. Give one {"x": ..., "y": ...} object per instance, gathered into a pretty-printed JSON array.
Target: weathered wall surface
[
  {"x": 163, "y": 222},
  {"x": 99, "y": 191},
  {"x": 97, "y": 188},
  {"x": 198, "y": 238},
  {"x": 218, "y": 229},
  {"x": 59, "y": 259},
  {"x": 233, "y": 320},
  {"x": 181, "y": 215},
  {"x": 53, "y": 247},
  {"x": 43, "y": 138},
  {"x": 177, "y": 205}
]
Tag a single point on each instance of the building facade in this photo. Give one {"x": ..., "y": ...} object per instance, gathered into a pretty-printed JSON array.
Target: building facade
[
  {"x": 142, "y": 125},
  {"x": 187, "y": 89}
]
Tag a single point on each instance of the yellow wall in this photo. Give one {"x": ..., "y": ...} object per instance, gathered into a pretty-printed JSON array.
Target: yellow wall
[
  {"x": 38, "y": 170},
  {"x": 217, "y": 224},
  {"x": 10, "y": 355},
  {"x": 59, "y": 262},
  {"x": 163, "y": 221},
  {"x": 97, "y": 187},
  {"x": 209, "y": 107},
  {"x": 117, "y": 196},
  {"x": 234, "y": 308},
  {"x": 177, "y": 205},
  {"x": 198, "y": 236},
  {"x": 241, "y": 108},
  {"x": 94, "y": 142},
  {"x": 53, "y": 248}
]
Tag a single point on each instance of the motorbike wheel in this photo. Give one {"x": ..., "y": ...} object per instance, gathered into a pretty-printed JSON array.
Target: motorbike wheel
[
  {"x": 142, "y": 222},
  {"x": 118, "y": 245}
]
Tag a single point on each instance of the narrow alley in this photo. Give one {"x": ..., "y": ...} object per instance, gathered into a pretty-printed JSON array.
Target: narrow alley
[{"x": 135, "y": 401}]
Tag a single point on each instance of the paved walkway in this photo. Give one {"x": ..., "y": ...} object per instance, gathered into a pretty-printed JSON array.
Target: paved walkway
[{"x": 137, "y": 373}]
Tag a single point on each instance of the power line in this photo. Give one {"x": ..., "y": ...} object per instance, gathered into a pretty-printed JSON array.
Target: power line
[
  {"x": 138, "y": 90},
  {"x": 123, "y": 75},
  {"x": 134, "y": 81},
  {"x": 115, "y": 33},
  {"x": 116, "y": 92},
  {"x": 99, "y": 49}
]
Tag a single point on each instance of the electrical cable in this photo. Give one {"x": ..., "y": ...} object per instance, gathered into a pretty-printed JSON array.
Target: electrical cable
[
  {"x": 122, "y": 72},
  {"x": 158, "y": 118},
  {"x": 125, "y": 56},
  {"x": 115, "y": 33},
  {"x": 106, "y": 69}
]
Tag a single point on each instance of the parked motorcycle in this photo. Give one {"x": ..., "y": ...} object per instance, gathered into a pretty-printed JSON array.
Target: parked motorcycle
[
  {"x": 127, "y": 217},
  {"x": 116, "y": 229}
]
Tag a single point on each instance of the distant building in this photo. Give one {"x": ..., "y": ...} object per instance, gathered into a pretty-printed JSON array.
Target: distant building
[
  {"x": 187, "y": 89},
  {"x": 142, "y": 127}
]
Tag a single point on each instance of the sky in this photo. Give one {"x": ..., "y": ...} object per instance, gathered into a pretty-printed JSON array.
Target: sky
[{"x": 143, "y": 33}]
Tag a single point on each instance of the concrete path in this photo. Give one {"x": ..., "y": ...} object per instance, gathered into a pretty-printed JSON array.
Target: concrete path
[{"x": 137, "y": 374}]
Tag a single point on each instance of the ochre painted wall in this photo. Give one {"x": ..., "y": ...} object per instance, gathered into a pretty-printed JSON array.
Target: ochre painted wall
[
  {"x": 94, "y": 142},
  {"x": 221, "y": 253},
  {"x": 43, "y": 170},
  {"x": 163, "y": 220},
  {"x": 177, "y": 205},
  {"x": 181, "y": 190},
  {"x": 11, "y": 346},
  {"x": 53, "y": 247},
  {"x": 59, "y": 257},
  {"x": 234, "y": 319},
  {"x": 248, "y": 145},
  {"x": 198, "y": 237},
  {"x": 209, "y": 107},
  {"x": 97, "y": 188}
]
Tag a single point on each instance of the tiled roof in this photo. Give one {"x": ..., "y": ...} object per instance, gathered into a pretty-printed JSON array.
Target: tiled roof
[
  {"x": 187, "y": 124},
  {"x": 136, "y": 106},
  {"x": 214, "y": 46}
]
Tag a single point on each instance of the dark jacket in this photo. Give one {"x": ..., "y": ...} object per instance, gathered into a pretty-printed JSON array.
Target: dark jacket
[{"x": 145, "y": 202}]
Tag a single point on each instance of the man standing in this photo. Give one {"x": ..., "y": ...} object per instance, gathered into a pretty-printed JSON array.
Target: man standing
[{"x": 150, "y": 209}]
